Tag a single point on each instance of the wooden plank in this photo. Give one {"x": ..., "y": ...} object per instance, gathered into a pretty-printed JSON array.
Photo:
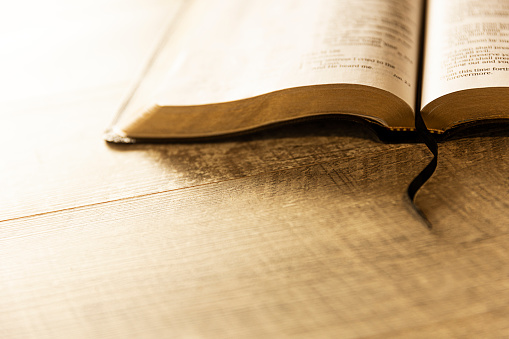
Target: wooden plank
[
  {"x": 316, "y": 251},
  {"x": 72, "y": 166},
  {"x": 67, "y": 164},
  {"x": 65, "y": 68}
]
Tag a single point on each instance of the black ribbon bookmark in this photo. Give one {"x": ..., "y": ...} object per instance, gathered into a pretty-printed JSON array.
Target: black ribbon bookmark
[{"x": 426, "y": 136}]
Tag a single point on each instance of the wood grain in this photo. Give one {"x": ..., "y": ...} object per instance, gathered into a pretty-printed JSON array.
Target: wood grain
[
  {"x": 301, "y": 231},
  {"x": 288, "y": 253},
  {"x": 69, "y": 165}
]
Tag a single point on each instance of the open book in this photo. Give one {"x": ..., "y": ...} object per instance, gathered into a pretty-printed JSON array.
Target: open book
[{"x": 229, "y": 66}]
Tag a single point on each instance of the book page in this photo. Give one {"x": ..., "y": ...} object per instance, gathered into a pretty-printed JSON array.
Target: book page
[
  {"x": 467, "y": 46},
  {"x": 230, "y": 50}
]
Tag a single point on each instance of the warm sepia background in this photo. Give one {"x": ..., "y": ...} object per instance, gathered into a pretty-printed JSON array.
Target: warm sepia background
[{"x": 299, "y": 231}]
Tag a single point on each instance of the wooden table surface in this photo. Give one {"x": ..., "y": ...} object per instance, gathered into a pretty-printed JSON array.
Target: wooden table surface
[{"x": 301, "y": 231}]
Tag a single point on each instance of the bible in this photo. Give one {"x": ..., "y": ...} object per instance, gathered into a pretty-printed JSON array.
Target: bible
[{"x": 226, "y": 67}]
